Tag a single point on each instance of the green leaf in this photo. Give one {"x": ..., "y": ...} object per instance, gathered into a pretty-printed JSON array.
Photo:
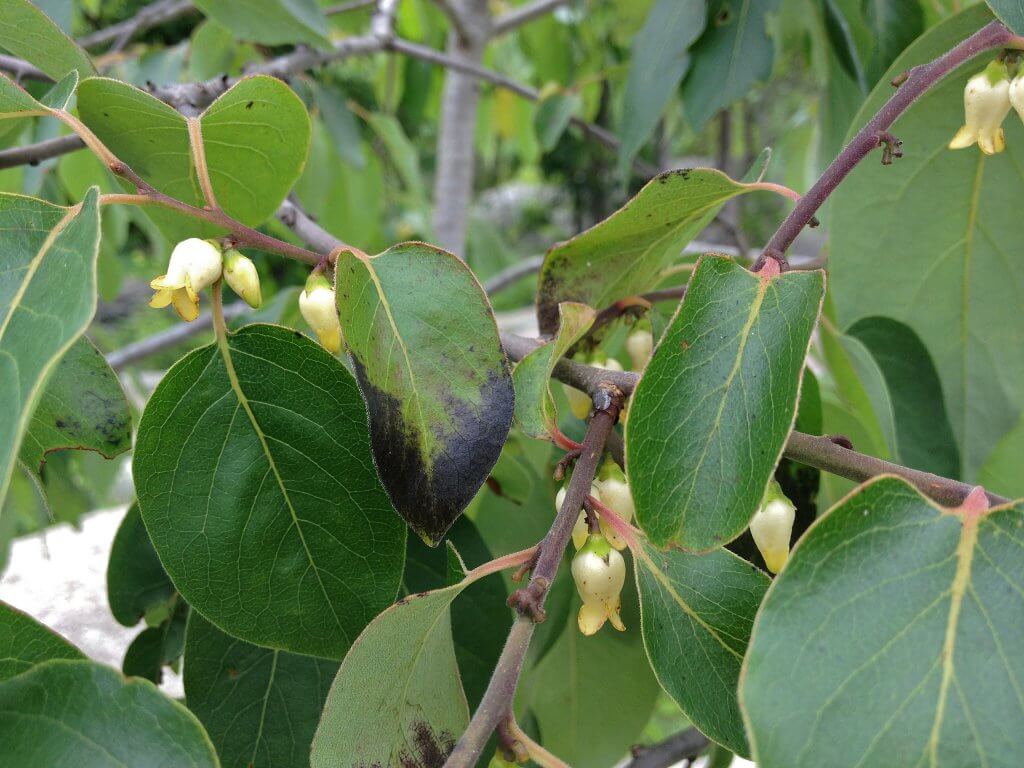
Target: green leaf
[
  {"x": 1010, "y": 12},
  {"x": 552, "y": 114},
  {"x": 260, "y": 706},
  {"x": 697, "y": 614},
  {"x": 1003, "y": 470},
  {"x": 894, "y": 24},
  {"x": 951, "y": 282},
  {"x": 47, "y": 298},
  {"x": 79, "y": 713},
  {"x": 15, "y": 100},
  {"x": 924, "y": 437},
  {"x": 60, "y": 95},
  {"x": 403, "y": 154},
  {"x": 271, "y": 22},
  {"x": 158, "y": 646},
  {"x": 535, "y": 408},
  {"x": 82, "y": 407},
  {"x": 839, "y": 24},
  {"x": 480, "y": 618},
  {"x": 255, "y": 136},
  {"x": 434, "y": 376},
  {"x": 136, "y": 580},
  {"x": 624, "y": 254},
  {"x": 255, "y": 481},
  {"x": 397, "y": 699},
  {"x": 892, "y": 637},
  {"x": 341, "y": 123},
  {"x": 659, "y": 61},
  {"x": 734, "y": 52},
  {"x": 24, "y": 642},
  {"x": 592, "y": 696},
  {"x": 27, "y": 32},
  {"x": 711, "y": 415}
]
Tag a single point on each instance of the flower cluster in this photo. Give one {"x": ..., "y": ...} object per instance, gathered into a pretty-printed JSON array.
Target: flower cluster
[
  {"x": 197, "y": 264},
  {"x": 988, "y": 97}
]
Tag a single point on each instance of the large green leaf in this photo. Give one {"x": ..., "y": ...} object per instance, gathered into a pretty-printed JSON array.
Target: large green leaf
[
  {"x": 1003, "y": 470},
  {"x": 82, "y": 407},
  {"x": 659, "y": 61},
  {"x": 260, "y": 706},
  {"x": 397, "y": 699},
  {"x": 24, "y": 642},
  {"x": 47, "y": 298},
  {"x": 158, "y": 646},
  {"x": 892, "y": 638},
  {"x": 77, "y": 714},
  {"x": 697, "y": 614},
  {"x": 255, "y": 137},
  {"x": 136, "y": 581},
  {"x": 1010, "y": 12},
  {"x": 734, "y": 52},
  {"x": 272, "y": 22},
  {"x": 535, "y": 408},
  {"x": 255, "y": 481},
  {"x": 15, "y": 100},
  {"x": 711, "y": 415},
  {"x": 624, "y": 254},
  {"x": 592, "y": 696},
  {"x": 940, "y": 225},
  {"x": 29, "y": 33},
  {"x": 434, "y": 376},
  {"x": 923, "y": 435}
]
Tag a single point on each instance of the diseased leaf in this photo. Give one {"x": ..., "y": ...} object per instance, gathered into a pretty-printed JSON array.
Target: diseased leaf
[
  {"x": 271, "y": 22},
  {"x": 710, "y": 417},
  {"x": 260, "y": 706},
  {"x": 892, "y": 637},
  {"x": 535, "y": 408},
  {"x": 734, "y": 52},
  {"x": 659, "y": 61},
  {"x": 255, "y": 481},
  {"x": 434, "y": 376},
  {"x": 624, "y": 254},
  {"x": 99, "y": 719},
  {"x": 397, "y": 699},
  {"x": 924, "y": 438},
  {"x": 697, "y": 614},
  {"x": 948, "y": 277},
  {"x": 30, "y": 34},
  {"x": 24, "y": 642},
  {"x": 136, "y": 580},
  {"x": 47, "y": 298},
  {"x": 82, "y": 407},
  {"x": 255, "y": 136}
]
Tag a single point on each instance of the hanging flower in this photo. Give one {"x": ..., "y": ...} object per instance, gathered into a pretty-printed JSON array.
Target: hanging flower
[
  {"x": 772, "y": 527},
  {"x": 617, "y": 496},
  {"x": 194, "y": 265},
  {"x": 986, "y": 105},
  {"x": 319, "y": 308},
  {"x": 600, "y": 573},
  {"x": 240, "y": 273}
]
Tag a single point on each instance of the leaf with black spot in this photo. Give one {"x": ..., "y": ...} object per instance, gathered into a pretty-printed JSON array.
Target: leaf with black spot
[{"x": 427, "y": 355}]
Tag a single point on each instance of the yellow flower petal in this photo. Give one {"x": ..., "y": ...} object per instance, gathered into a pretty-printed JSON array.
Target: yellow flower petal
[
  {"x": 965, "y": 137},
  {"x": 161, "y": 298},
  {"x": 186, "y": 307},
  {"x": 330, "y": 339}
]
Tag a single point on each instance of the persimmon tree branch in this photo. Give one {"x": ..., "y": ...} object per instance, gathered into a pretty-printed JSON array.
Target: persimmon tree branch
[
  {"x": 529, "y": 601},
  {"x": 876, "y": 132},
  {"x": 683, "y": 745},
  {"x": 147, "y": 17},
  {"x": 524, "y": 14}
]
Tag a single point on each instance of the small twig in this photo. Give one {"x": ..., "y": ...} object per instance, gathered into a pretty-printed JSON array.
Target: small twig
[
  {"x": 147, "y": 17},
  {"x": 524, "y": 14},
  {"x": 684, "y": 745},
  {"x": 875, "y": 132},
  {"x": 447, "y": 7},
  {"x": 510, "y": 275},
  {"x": 354, "y": 5},
  {"x": 33, "y": 154},
  {"x": 502, "y": 687}
]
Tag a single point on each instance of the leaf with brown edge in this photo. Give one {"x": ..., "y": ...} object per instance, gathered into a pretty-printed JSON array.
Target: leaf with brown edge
[
  {"x": 892, "y": 637},
  {"x": 535, "y": 408},
  {"x": 429, "y": 362}
]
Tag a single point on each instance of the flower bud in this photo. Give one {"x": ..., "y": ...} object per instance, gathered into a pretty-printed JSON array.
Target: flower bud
[
  {"x": 240, "y": 273},
  {"x": 615, "y": 495},
  {"x": 317, "y": 304},
  {"x": 640, "y": 345},
  {"x": 194, "y": 265},
  {"x": 986, "y": 104},
  {"x": 772, "y": 527},
  {"x": 1017, "y": 94},
  {"x": 600, "y": 573}
]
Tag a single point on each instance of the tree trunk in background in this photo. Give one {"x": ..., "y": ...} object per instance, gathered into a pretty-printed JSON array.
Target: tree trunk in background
[{"x": 453, "y": 183}]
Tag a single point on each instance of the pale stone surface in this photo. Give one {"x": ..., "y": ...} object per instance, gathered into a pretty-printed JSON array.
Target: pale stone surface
[{"x": 59, "y": 576}]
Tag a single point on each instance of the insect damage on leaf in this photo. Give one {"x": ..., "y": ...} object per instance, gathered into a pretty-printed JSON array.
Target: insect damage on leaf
[{"x": 430, "y": 750}]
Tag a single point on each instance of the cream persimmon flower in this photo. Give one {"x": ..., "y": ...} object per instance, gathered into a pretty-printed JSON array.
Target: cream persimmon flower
[
  {"x": 772, "y": 527},
  {"x": 986, "y": 105},
  {"x": 640, "y": 345},
  {"x": 240, "y": 273},
  {"x": 617, "y": 496},
  {"x": 194, "y": 265},
  {"x": 580, "y": 531},
  {"x": 319, "y": 308},
  {"x": 599, "y": 572}
]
